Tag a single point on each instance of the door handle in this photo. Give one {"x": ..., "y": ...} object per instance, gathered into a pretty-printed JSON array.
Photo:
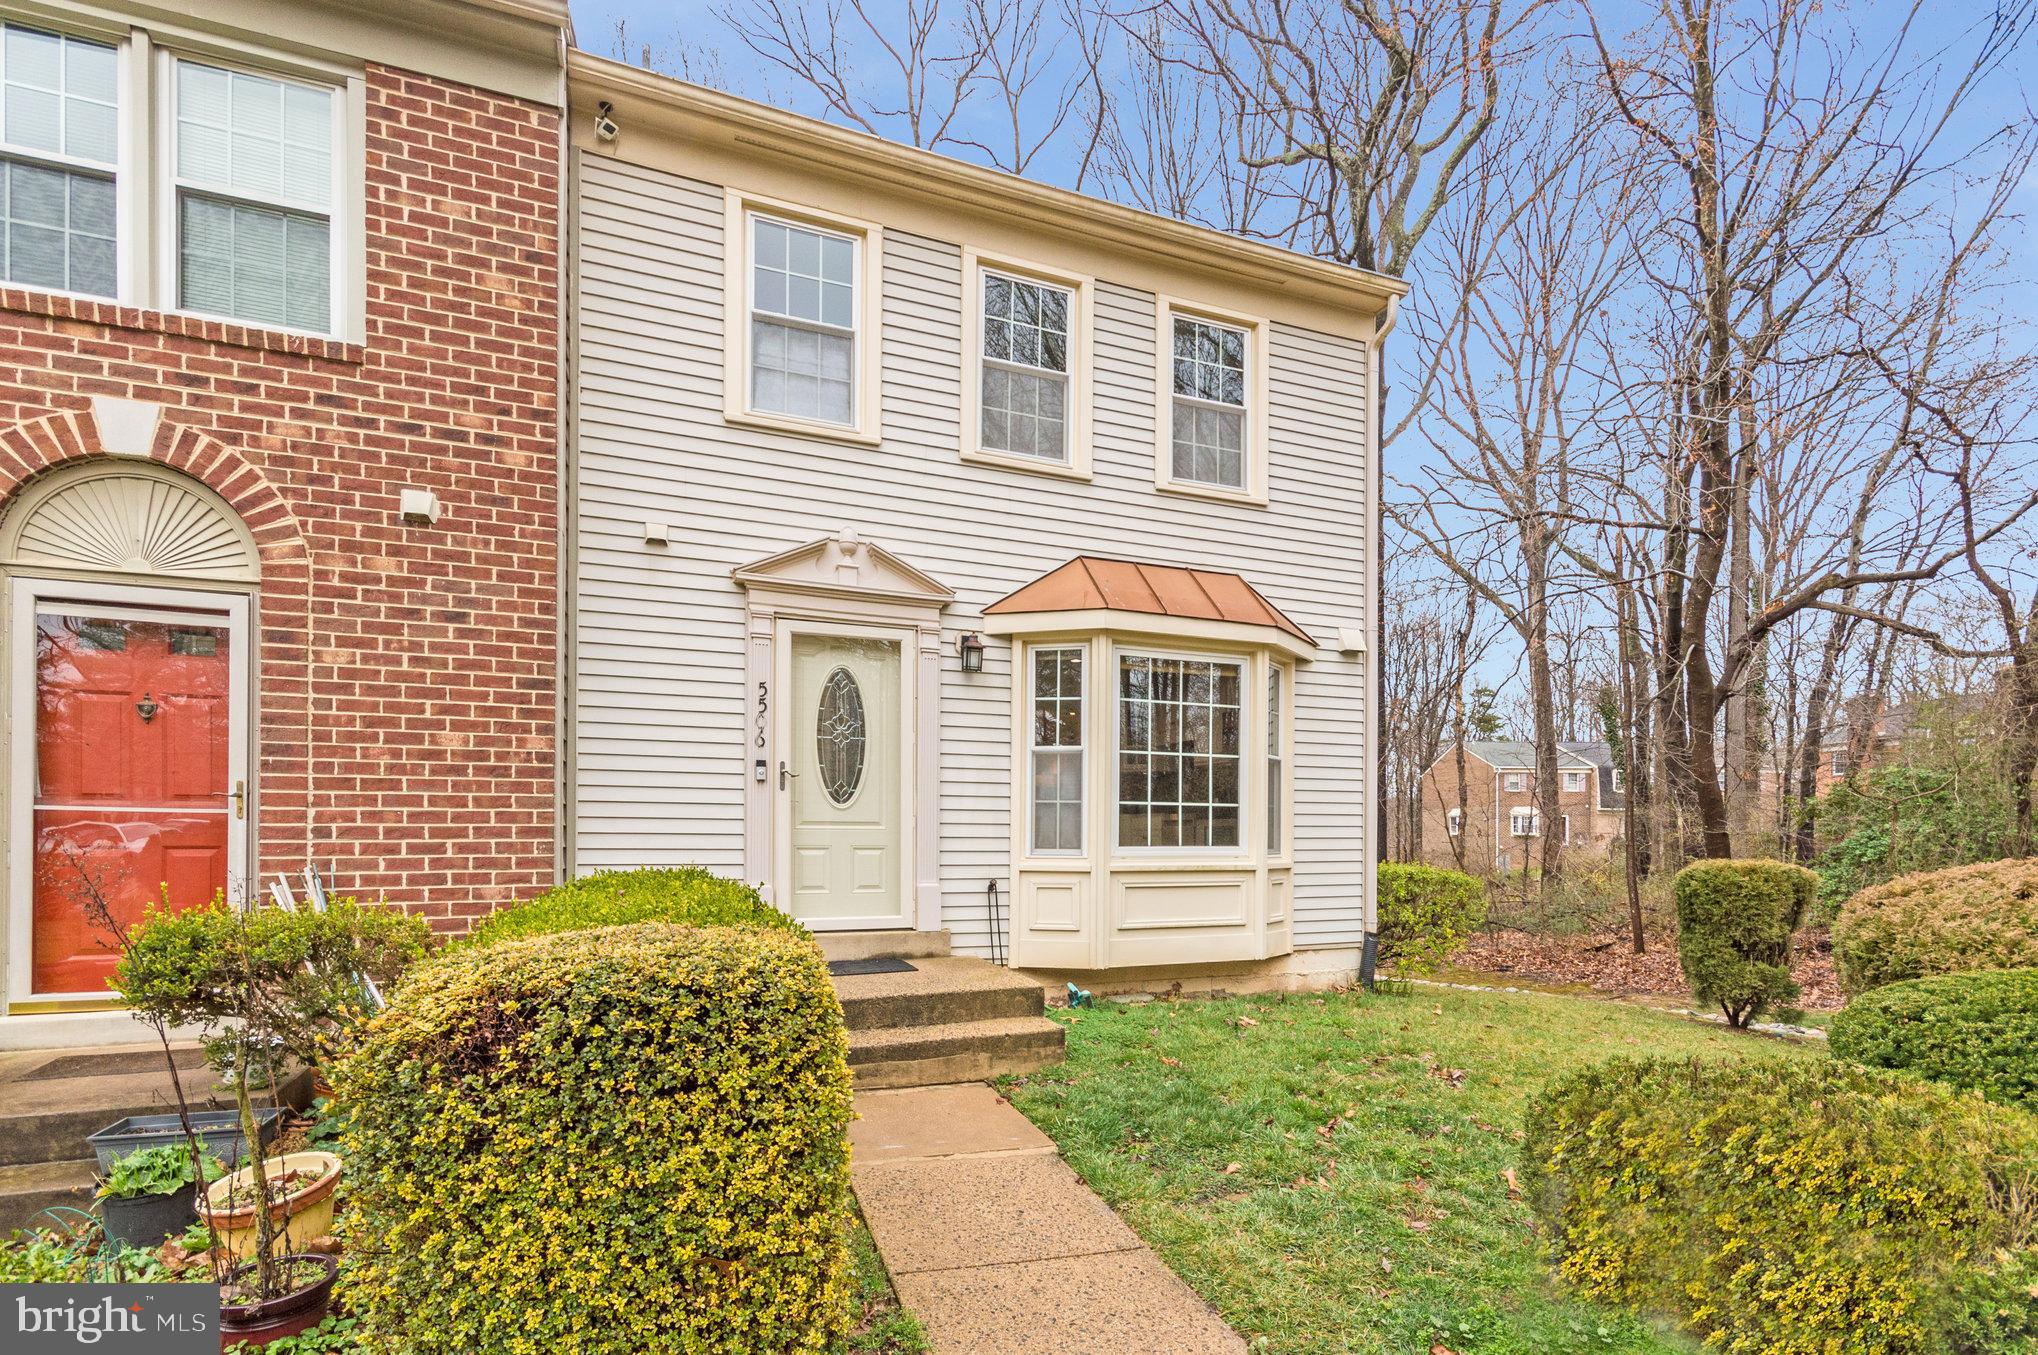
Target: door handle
[
  {"x": 240, "y": 799},
  {"x": 785, "y": 774}
]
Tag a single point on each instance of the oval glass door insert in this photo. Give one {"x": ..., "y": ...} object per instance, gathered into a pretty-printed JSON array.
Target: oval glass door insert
[{"x": 839, "y": 736}]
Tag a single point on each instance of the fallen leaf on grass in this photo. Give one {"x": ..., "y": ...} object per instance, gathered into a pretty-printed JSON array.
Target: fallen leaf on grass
[
  {"x": 1441, "y": 1349},
  {"x": 1419, "y": 1225},
  {"x": 1513, "y": 1184},
  {"x": 1454, "y": 1076},
  {"x": 1245, "y": 1021},
  {"x": 1233, "y": 1168},
  {"x": 1171, "y": 1062},
  {"x": 1386, "y": 1266}
]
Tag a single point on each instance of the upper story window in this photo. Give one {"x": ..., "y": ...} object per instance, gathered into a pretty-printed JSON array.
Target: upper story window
[
  {"x": 801, "y": 316},
  {"x": 1211, "y": 434},
  {"x": 1454, "y": 822},
  {"x": 1025, "y": 368},
  {"x": 254, "y": 197},
  {"x": 59, "y": 162},
  {"x": 1574, "y": 781},
  {"x": 1209, "y": 412},
  {"x": 248, "y": 216},
  {"x": 1516, "y": 781},
  {"x": 803, "y": 322}
]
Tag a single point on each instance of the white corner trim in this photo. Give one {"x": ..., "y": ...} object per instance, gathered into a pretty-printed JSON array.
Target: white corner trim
[{"x": 126, "y": 427}]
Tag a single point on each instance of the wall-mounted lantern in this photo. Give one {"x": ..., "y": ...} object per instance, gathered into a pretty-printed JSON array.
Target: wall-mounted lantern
[{"x": 972, "y": 646}]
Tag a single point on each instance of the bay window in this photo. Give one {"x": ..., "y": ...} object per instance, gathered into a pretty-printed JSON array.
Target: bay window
[
  {"x": 1179, "y": 742},
  {"x": 1057, "y": 738},
  {"x": 59, "y": 162},
  {"x": 1275, "y": 781}
]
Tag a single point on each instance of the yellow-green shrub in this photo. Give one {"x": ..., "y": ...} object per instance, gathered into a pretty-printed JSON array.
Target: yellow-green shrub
[
  {"x": 1939, "y": 922},
  {"x": 1793, "y": 1207},
  {"x": 685, "y": 895},
  {"x": 605, "y": 1142},
  {"x": 1734, "y": 924},
  {"x": 1425, "y": 913}
]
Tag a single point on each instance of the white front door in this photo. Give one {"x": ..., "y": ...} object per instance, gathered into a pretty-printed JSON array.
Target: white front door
[{"x": 843, "y": 779}]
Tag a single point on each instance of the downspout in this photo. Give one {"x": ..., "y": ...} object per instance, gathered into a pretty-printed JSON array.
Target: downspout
[
  {"x": 566, "y": 403},
  {"x": 1375, "y": 839}
]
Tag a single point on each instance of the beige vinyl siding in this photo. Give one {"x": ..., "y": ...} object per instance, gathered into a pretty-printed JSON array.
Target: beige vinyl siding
[{"x": 661, "y": 716}]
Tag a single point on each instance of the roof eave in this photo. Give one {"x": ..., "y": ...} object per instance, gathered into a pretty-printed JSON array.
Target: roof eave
[{"x": 778, "y": 132}]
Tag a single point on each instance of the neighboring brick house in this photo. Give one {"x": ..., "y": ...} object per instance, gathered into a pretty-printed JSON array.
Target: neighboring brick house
[
  {"x": 1498, "y": 825},
  {"x": 279, "y": 505}
]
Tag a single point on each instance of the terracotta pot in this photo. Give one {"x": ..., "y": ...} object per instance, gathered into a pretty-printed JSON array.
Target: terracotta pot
[
  {"x": 297, "y": 1311},
  {"x": 304, "y": 1214}
]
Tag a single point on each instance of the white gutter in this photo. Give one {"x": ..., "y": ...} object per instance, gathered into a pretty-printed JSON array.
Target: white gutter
[{"x": 1374, "y": 840}]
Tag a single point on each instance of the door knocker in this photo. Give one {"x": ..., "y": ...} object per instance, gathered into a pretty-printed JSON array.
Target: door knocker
[{"x": 147, "y": 707}]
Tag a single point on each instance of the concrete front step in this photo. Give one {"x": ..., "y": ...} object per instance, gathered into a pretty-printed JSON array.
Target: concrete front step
[
  {"x": 872, "y": 945},
  {"x": 26, "y": 1189},
  {"x": 938, "y": 991},
  {"x": 959, "y": 1051}
]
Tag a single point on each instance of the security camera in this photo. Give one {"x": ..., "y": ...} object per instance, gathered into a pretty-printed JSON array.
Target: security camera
[{"x": 605, "y": 125}]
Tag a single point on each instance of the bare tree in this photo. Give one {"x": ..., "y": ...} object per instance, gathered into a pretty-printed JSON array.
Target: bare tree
[
  {"x": 1799, "y": 158},
  {"x": 1538, "y": 250}
]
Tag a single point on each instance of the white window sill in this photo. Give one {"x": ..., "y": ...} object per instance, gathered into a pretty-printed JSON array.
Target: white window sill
[
  {"x": 1060, "y": 470},
  {"x": 1215, "y": 493},
  {"x": 805, "y": 428}
]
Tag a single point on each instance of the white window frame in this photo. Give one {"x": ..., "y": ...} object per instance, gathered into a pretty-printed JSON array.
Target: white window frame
[
  {"x": 1257, "y": 330},
  {"x": 1574, "y": 782},
  {"x": 1516, "y": 783},
  {"x": 1081, "y": 288},
  {"x": 345, "y": 214},
  {"x": 1454, "y": 822},
  {"x": 1517, "y": 817},
  {"x": 1251, "y": 743},
  {"x": 1564, "y": 827},
  {"x": 145, "y": 197},
  {"x": 1084, "y": 652},
  {"x": 738, "y": 286},
  {"x": 126, "y": 116},
  {"x": 1277, "y": 756},
  {"x": 1620, "y": 780}
]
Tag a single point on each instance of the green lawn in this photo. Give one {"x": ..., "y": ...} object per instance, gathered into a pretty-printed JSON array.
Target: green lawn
[
  {"x": 878, "y": 1326},
  {"x": 1330, "y": 1171}
]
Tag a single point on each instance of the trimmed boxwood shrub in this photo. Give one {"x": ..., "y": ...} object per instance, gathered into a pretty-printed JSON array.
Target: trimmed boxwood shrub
[
  {"x": 1425, "y": 914},
  {"x": 1734, "y": 924},
  {"x": 686, "y": 895},
  {"x": 1972, "y": 1030},
  {"x": 1939, "y": 922},
  {"x": 1792, "y": 1206},
  {"x": 608, "y": 1142}
]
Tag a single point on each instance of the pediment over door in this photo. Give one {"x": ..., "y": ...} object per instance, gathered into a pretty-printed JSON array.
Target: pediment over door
[{"x": 844, "y": 566}]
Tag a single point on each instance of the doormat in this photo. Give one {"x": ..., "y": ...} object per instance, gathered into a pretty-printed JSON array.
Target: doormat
[
  {"x": 111, "y": 1065},
  {"x": 884, "y": 964}
]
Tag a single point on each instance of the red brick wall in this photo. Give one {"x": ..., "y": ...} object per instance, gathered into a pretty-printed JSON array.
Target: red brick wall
[{"x": 407, "y": 673}]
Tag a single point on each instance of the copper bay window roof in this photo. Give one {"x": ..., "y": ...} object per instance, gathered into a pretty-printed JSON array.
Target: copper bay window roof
[{"x": 1090, "y": 583}]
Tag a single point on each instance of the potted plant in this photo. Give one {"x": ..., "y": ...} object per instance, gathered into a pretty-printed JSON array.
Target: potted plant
[
  {"x": 151, "y": 1194},
  {"x": 267, "y": 985}
]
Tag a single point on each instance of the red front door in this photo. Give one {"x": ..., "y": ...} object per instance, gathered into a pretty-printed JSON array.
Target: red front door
[{"x": 132, "y": 791}]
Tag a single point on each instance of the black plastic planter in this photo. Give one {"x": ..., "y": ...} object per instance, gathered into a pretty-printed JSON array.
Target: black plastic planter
[
  {"x": 145, "y": 1220},
  {"x": 221, "y": 1130}
]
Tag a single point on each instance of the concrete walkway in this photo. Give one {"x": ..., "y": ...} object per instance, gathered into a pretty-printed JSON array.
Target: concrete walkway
[{"x": 998, "y": 1248}]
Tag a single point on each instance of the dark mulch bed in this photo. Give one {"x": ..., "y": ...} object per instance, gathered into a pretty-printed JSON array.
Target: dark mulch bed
[{"x": 1608, "y": 964}]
